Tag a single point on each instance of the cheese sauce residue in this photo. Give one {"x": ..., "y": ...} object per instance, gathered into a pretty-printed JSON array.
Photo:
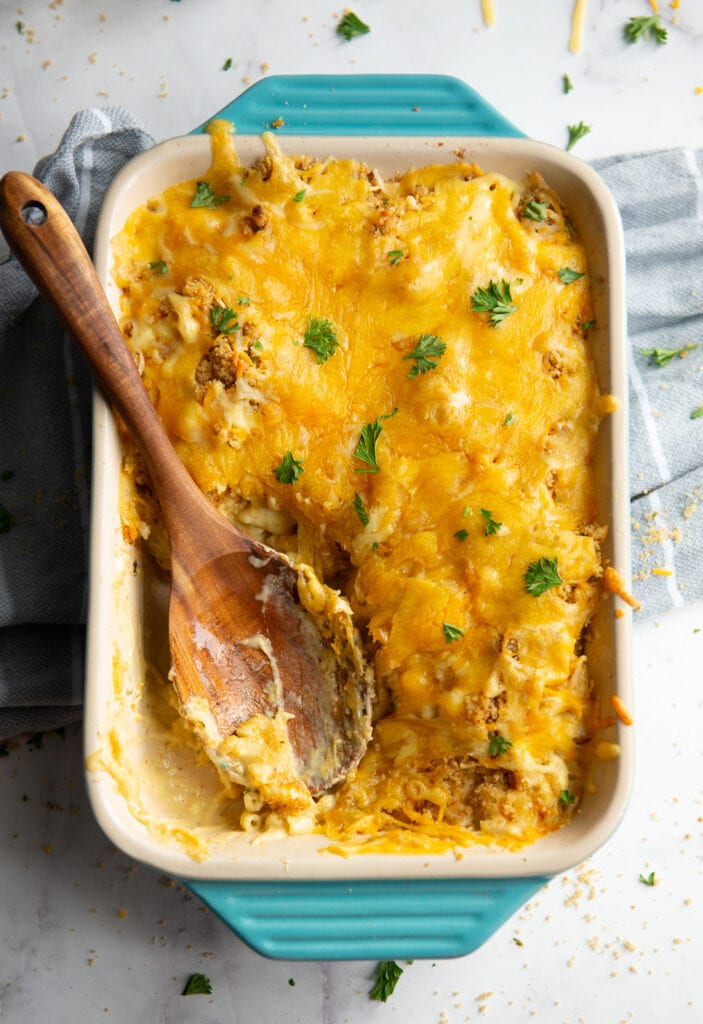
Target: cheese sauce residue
[{"x": 446, "y": 443}]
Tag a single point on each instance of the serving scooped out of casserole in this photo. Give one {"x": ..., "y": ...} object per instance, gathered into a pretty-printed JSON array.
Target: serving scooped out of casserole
[{"x": 390, "y": 381}]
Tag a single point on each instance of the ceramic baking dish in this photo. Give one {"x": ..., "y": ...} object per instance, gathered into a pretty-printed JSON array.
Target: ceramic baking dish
[{"x": 283, "y": 896}]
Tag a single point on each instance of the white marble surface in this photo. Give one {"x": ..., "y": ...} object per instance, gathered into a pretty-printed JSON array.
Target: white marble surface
[{"x": 86, "y": 935}]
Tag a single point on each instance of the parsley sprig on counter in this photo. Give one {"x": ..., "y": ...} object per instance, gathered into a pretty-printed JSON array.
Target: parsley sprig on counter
[
  {"x": 494, "y": 299},
  {"x": 640, "y": 28},
  {"x": 321, "y": 338},
  {"x": 387, "y": 974},
  {"x": 541, "y": 576},
  {"x": 197, "y": 985},
  {"x": 289, "y": 469},
  {"x": 350, "y": 25},
  {"x": 205, "y": 197},
  {"x": 427, "y": 353},
  {"x": 576, "y": 132},
  {"x": 663, "y": 356}
]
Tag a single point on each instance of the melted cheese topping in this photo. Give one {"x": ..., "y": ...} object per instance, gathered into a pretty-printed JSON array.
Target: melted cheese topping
[{"x": 484, "y": 462}]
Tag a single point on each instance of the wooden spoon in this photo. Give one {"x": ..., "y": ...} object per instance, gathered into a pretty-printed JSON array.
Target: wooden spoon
[{"x": 242, "y": 642}]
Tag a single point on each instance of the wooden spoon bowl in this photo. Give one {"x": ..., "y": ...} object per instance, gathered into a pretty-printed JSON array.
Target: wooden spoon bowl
[{"x": 242, "y": 641}]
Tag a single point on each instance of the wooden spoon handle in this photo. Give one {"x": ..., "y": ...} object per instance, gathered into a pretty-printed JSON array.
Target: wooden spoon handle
[{"x": 43, "y": 238}]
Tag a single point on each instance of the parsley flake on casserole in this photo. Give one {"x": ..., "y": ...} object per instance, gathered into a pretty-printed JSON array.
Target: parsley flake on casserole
[{"x": 390, "y": 381}]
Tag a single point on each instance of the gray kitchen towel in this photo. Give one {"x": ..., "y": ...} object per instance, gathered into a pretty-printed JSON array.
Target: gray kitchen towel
[
  {"x": 45, "y": 452},
  {"x": 45, "y": 414},
  {"x": 660, "y": 197}
]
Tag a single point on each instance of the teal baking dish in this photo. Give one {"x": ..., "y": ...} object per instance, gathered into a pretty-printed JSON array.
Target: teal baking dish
[{"x": 294, "y": 903}]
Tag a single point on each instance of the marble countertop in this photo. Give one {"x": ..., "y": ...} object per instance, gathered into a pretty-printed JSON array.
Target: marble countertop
[{"x": 85, "y": 933}]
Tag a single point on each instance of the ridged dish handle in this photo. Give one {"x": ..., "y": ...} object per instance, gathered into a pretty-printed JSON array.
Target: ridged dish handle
[
  {"x": 367, "y": 920},
  {"x": 365, "y": 105}
]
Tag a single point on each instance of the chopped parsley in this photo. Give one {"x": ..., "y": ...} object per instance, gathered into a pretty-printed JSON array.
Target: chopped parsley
[
  {"x": 640, "y": 28},
  {"x": 244, "y": 300},
  {"x": 299, "y": 196},
  {"x": 697, "y": 413},
  {"x": 223, "y": 320},
  {"x": 535, "y": 211},
  {"x": 205, "y": 197},
  {"x": 491, "y": 525},
  {"x": 541, "y": 576},
  {"x": 366, "y": 448},
  {"x": 451, "y": 633},
  {"x": 427, "y": 353},
  {"x": 576, "y": 132},
  {"x": 197, "y": 985},
  {"x": 291, "y": 982},
  {"x": 663, "y": 356},
  {"x": 461, "y": 535},
  {"x": 588, "y": 325},
  {"x": 289, "y": 469},
  {"x": 510, "y": 418},
  {"x": 498, "y": 744},
  {"x": 567, "y": 276},
  {"x": 648, "y": 880},
  {"x": 566, "y": 798},
  {"x": 159, "y": 266},
  {"x": 227, "y": 64},
  {"x": 495, "y": 299},
  {"x": 387, "y": 974},
  {"x": 394, "y": 256},
  {"x": 351, "y": 26},
  {"x": 6, "y": 519},
  {"x": 566, "y": 84},
  {"x": 360, "y": 510},
  {"x": 320, "y": 337}
]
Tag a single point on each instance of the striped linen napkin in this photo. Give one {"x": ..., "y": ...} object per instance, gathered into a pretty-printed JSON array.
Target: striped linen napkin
[{"x": 45, "y": 411}]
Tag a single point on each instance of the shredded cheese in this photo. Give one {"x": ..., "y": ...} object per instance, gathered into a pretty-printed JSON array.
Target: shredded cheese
[
  {"x": 489, "y": 14},
  {"x": 577, "y": 21}
]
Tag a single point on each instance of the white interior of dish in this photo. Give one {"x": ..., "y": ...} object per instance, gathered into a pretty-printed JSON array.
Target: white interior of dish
[{"x": 116, "y": 619}]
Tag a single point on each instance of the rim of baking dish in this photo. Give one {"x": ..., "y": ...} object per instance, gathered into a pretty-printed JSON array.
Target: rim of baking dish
[{"x": 299, "y": 858}]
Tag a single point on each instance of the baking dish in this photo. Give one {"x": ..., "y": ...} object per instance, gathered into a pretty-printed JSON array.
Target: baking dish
[{"x": 284, "y": 897}]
